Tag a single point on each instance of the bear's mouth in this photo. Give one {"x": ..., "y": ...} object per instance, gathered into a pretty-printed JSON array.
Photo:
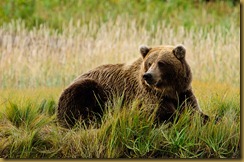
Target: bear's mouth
[
  {"x": 153, "y": 83},
  {"x": 159, "y": 84},
  {"x": 150, "y": 82}
]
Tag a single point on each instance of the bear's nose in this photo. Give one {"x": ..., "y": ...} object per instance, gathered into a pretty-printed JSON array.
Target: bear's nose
[{"x": 147, "y": 77}]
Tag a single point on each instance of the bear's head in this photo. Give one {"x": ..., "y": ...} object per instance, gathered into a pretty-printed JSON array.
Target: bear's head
[{"x": 165, "y": 67}]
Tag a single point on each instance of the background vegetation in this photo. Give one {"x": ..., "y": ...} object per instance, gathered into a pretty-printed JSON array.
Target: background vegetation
[
  {"x": 45, "y": 44},
  {"x": 55, "y": 13}
]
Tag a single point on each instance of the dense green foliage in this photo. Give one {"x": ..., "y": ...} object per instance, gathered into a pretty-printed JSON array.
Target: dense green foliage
[{"x": 178, "y": 12}]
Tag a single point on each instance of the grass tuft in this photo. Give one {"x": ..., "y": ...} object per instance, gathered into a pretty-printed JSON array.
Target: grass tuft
[{"x": 29, "y": 129}]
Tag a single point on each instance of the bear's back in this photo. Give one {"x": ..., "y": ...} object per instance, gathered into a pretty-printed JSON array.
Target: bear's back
[{"x": 116, "y": 79}]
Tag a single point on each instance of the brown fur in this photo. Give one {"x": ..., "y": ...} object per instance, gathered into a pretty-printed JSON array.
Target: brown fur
[{"x": 169, "y": 86}]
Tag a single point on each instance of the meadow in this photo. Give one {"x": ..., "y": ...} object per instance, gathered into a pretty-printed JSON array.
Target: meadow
[{"x": 41, "y": 53}]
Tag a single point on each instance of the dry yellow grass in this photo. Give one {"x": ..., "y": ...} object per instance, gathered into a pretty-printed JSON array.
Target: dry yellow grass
[{"x": 44, "y": 57}]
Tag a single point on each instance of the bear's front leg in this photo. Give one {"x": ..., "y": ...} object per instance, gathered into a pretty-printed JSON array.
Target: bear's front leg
[
  {"x": 188, "y": 99},
  {"x": 166, "y": 111}
]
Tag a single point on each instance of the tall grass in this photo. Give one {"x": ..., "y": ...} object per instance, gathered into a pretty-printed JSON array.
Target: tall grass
[
  {"x": 30, "y": 130},
  {"x": 44, "y": 57}
]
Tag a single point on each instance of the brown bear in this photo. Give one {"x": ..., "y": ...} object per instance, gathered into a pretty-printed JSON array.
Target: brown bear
[{"x": 161, "y": 76}]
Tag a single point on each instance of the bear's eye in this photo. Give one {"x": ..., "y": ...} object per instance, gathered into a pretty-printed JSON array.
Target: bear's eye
[
  {"x": 149, "y": 64},
  {"x": 161, "y": 64}
]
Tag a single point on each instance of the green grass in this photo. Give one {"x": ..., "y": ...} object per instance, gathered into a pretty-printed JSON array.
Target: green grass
[
  {"x": 29, "y": 129},
  {"x": 56, "y": 13}
]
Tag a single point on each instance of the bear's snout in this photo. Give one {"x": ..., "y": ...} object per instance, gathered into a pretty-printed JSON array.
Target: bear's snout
[{"x": 148, "y": 78}]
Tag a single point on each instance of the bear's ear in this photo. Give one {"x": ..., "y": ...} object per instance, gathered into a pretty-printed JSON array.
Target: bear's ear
[
  {"x": 179, "y": 51},
  {"x": 144, "y": 50}
]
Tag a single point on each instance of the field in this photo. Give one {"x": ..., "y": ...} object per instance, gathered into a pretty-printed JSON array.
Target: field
[{"x": 40, "y": 54}]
